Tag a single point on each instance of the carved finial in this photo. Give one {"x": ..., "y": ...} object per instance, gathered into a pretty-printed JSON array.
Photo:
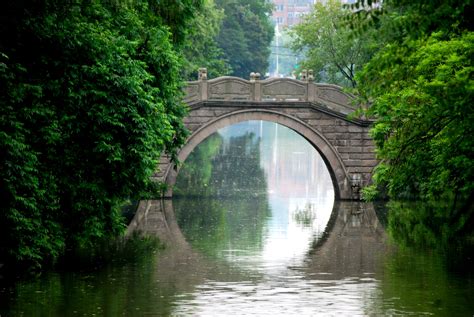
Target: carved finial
[
  {"x": 202, "y": 73},
  {"x": 310, "y": 75},
  {"x": 252, "y": 76},
  {"x": 304, "y": 75}
]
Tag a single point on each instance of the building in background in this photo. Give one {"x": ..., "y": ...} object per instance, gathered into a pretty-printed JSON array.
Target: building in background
[{"x": 289, "y": 12}]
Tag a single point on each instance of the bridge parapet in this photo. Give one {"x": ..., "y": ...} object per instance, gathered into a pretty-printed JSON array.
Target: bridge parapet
[
  {"x": 229, "y": 88},
  {"x": 318, "y": 112}
]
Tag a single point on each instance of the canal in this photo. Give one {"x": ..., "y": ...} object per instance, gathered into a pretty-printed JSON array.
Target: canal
[{"x": 254, "y": 229}]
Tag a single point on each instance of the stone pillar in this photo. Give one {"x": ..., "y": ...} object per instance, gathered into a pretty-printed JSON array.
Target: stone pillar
[
  {"x": 257, "y": 88},
  {"x": 304, "y": 75},
  {"x": 310, "y": 87},
  {"x": 202, "y": 79}
]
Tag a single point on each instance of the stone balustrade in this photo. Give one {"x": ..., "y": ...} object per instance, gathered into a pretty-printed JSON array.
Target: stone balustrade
[{"x": 229, "y": 88}]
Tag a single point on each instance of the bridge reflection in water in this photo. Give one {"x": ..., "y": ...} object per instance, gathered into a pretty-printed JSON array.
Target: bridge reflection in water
[
  {"x": 254, "y": 229},
  {"x": 255, "y": 221},
  {"x": 332, "y": 272}
]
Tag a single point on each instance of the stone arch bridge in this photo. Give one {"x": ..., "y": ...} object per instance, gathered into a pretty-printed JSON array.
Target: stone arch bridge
[{"x": 318, "y": 112}]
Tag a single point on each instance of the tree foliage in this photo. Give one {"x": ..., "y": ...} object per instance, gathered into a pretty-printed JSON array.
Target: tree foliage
[
  {"x": 412, "y": 18},
  {"x": 332, "y": 50},
  {"x": 90, "y": 98},
  {"x": 202, "y": 49},
  {"x": 424, "y": 116},
  {"x": 245, "y": 35},
  {"x": 420, "y": 87}
]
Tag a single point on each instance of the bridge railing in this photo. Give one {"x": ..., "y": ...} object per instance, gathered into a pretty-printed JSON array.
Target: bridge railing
[{"x": 273, "y": 89}]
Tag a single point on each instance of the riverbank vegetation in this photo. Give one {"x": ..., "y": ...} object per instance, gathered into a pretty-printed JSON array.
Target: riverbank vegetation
[
  {"x": 90, "y": 99},
  {"x": 420, "y": 90}
]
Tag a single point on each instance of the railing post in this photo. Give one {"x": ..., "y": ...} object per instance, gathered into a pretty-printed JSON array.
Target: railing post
[
  {"x": 304, "y": 77},
  {"x": 202, "y": 79},
  {"x": 257, "y": 90},
  {"x": 310, "y": 93}
]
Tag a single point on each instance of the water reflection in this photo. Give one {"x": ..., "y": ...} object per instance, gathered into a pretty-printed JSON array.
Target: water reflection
[
  {"x": 266, "y": 201},
  {"x": 289, "y": 274},
  {"x": 265, "y": 238},
  {"x": 282, "y": 194},
  {"x": 349, "y": 269}
]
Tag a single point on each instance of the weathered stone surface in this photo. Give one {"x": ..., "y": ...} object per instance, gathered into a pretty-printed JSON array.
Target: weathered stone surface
[
  {"x": 363, "y": 170},
  {"x": 361, "y": 163},
  {"x": 362, "y": 156},
  {"x": 349, "y": 149},
  {"x": 316, "y": 111}
]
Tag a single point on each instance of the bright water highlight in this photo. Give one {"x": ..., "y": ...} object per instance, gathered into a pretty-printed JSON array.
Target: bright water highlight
[{"x": 255, "y": 231}]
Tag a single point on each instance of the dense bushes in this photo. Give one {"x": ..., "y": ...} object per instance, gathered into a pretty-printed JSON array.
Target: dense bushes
[{"x": 90, "y": 97}]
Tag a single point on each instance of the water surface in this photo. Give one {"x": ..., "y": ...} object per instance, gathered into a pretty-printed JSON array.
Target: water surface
[{"x": 254, "y": 230}]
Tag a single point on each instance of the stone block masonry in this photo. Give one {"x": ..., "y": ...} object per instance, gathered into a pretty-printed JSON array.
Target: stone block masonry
[{"x": 318, "y": 112}]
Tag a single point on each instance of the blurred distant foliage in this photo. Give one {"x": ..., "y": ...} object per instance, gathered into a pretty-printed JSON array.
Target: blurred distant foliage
[
  {"x": 229, "y": 37},
  {"x": 420, "y": 90},
  {"x": 331, "y": 47},
  {"x": 195, "y": 174},
  {"x": 245, "y": 35},
  {"x": 202, "y": 49},
  {"x": 222, "y": 169},
  {"x": 90, "y": 98}
]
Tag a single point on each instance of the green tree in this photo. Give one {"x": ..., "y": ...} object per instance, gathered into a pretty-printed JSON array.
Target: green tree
[
  {"x": 332, "y": 50},
  {"x": 245, "y": 35},
  {"x": 90, "y": 98},
  {"x": 420, "y": 87},
  {"x": 201, "y": 49},
  {"x": 424, "y": 116}
]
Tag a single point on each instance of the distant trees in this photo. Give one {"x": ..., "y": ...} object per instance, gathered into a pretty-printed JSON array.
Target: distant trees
[
  {"x": 331, "y": 47},
  {"x": 245, "y": 35},
  {"x": 202, "y": 48},
  {"x": 229, "y": 37}
]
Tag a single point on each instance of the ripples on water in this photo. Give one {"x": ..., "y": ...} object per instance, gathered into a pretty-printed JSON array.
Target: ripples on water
[
  {"x": 281, "y": 247},
  {"x": 284, "y": 281}
]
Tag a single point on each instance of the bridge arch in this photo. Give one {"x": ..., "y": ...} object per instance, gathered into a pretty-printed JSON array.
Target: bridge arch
[{"x": 333, "y": 160}]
